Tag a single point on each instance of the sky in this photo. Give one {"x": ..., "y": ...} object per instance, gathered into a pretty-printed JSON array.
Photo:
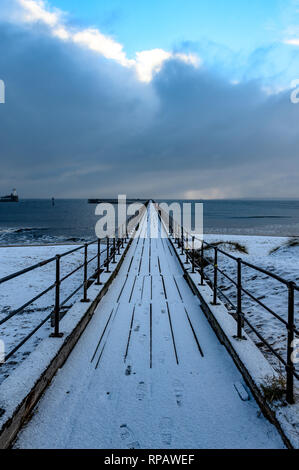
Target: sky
[
  {"x": 160, "y": 98},
  {"x": 176, "y": 21}
]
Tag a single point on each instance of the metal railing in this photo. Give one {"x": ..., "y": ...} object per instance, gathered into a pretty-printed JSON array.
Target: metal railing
[
  {"x": 103, "y": 258},
  {"x": 199, "y": 261}
]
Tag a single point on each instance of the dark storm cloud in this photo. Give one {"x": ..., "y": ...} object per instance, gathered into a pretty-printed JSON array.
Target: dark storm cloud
[{"x": 75, "y": 124}]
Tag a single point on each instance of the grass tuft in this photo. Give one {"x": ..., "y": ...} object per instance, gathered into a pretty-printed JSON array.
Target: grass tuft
[
  {"x": 290, "y": 243},
  {"x": 235, "y": 246},
  {"x": 274, "y": 388}
]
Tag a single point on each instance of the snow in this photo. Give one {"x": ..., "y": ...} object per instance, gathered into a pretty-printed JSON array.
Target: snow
[
  {"x": 17, "y": 292},
  {"x": 284, "y": 262},
  {"x": 137, "y": 379}
]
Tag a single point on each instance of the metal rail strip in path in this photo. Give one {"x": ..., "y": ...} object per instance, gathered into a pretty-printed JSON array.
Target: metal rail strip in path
[{"x": 148, "y": 371}]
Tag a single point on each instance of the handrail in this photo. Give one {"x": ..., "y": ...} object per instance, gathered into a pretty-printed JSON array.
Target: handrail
[
  {"x": 182, "y": 238},
  {"x": 110, "y": 251}
]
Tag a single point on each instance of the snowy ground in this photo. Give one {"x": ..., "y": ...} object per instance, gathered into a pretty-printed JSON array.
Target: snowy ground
[
  {"x": 17, "y": 292},
  {"x": 284, "y": 262}
]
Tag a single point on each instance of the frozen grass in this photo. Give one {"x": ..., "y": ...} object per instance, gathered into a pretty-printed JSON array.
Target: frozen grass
[
  {"x": 290, "y": 243},
  {"x": 231, "y": 245},
  {"x": 274, "y": 388}
]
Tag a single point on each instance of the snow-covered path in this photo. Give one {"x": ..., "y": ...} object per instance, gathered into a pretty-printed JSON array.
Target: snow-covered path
[{"x": 148, "y": 372}]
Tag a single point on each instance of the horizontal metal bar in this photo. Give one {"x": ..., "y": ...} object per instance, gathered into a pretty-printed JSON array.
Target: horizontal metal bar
[
  {"x": 20, "y": 309},
  {"x": 252, "y": 266},
  {"x": 92, "y": 242},
  {"x": 264, "y": 271},
  {"x": 210, "y": 263},
  {"x": 226, "y": 298},
  {"x": 265, "y": 307},
  {"x": 42, "y": 263},
  {"x": 27, "y": 270},
  {"x": 71, "y": 273},
  {"x": 270, "y": 347},
  {"x": 227, "y": 277},
  {"x": 92, "y": 259},
  {"x": 72, "y": 294},
  {"x": 264, "y": 341},
  {"x": 221, "y": 251},
  {"x": 26, "y": 338},
  {"x": 73, "y": 250}
]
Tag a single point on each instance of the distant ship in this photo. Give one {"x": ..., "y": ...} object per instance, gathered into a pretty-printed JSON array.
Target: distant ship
[{"x": 13, "y": 197}]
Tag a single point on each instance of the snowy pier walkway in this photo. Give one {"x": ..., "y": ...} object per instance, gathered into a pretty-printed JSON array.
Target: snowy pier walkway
[{"x": 148, "y": 372}]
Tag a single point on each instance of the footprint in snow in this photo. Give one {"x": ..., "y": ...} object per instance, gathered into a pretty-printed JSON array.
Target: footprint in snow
[
  {"x": 141, "y": 391},
  {"x": 128, "y": 437},
  {"x": 142, "y": 338},
  {"x": 178, "y": 388},
  {"x": 166, "y": 425}
]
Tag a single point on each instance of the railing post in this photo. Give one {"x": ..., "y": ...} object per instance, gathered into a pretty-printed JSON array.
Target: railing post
[
  {"x": 193, "y": 256},
  {"x": 215, "y": 276},
  {"x": 201, "y": 264},
  {"x": 182, "y": 241},
  {"x": 114, "y": 250},
  {"x": 186, "y": 249},
  {"x": 118, "y": 245},
  {"x": 107, "y": 257},
  {"x": 122, "y": 237},
  {"x": 85, "y": 299},
  {"x": 290, "y": 365},
  {"x": 56, "y": 333},
  {"x": 98, "y": 283},
  {"x": 239, "y": 300}
]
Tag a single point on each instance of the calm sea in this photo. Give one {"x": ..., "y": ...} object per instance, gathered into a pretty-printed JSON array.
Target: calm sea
[{"x": 71, "y": 220}]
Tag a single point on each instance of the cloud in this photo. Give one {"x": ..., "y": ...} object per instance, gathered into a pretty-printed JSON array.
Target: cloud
[
  {"x": 146, "y": 63},
  {"x": 79, "y": 125},
  {"x": 102, "y": 44},
  {"x": 35, "y": 10}
]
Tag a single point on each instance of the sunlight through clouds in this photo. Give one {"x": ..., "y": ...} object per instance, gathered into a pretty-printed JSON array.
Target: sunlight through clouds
[
  {"x": 98, "y": 42},
  {"x": 146, "y": 64},
  {"x": 150, "y": 62}
]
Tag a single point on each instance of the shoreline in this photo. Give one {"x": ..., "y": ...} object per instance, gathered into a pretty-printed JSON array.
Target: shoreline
[{"x": 213, "y": 234}]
